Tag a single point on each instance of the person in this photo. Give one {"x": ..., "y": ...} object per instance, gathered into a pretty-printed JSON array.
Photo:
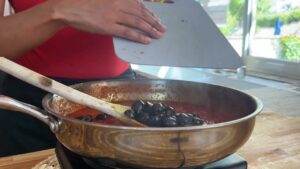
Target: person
[
  {"x": 71, "y": 42},
  {"x": 277, "y": 27}
]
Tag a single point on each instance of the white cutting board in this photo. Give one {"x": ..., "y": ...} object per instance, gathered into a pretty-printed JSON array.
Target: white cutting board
[{"x": 192, "y": 40}]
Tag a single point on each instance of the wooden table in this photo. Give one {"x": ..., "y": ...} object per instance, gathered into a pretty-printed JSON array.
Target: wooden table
[
  {"x": 25, "y": 161},
  {"x": 275, "y": 144}
]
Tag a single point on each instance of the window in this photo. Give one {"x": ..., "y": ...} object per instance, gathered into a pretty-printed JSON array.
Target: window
[
  {"x": 277, "y": 30},
  {"x": 274, "y": 41}
]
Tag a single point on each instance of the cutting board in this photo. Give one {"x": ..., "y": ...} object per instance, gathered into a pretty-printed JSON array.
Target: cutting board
[{"x": 192, "y": 40}]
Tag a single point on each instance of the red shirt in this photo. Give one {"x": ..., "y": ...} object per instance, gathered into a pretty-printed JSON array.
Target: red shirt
[{"x": 71, "y": 53}]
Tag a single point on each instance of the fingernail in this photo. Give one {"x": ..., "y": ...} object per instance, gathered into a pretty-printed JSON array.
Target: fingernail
[
  {"x": 156, "y": 33},
  {"x": 159, "y": 34},
  {"x": 147, "y": 40},
  {"x": 164, "y": 27}
]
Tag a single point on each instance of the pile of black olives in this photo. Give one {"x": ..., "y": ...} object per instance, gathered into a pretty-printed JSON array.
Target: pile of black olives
[{"x": 161, "y": 115}]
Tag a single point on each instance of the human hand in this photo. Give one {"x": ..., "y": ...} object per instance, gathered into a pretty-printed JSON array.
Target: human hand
[{"x": 128, "y": 19}]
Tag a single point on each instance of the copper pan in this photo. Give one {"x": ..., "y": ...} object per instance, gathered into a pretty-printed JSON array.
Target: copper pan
[{"x": 152, "y": 147}]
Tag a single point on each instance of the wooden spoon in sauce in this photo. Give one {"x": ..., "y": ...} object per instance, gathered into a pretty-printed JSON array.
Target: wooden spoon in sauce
[{"x": 67, "y": 92}]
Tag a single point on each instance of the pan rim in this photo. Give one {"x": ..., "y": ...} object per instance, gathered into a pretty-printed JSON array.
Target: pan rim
[{"x": 257, "y": 101}]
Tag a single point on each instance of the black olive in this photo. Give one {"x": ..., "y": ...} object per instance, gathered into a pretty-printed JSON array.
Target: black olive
[
  {"x": 184, "y": 119},
  {"x": 177, "y": 114},
  {"x": 191, "y": 114},
  {"x": 149, "y": 104},
  {"x": 137, "y": 106},
  {"x": 142, "y": 117},
  {"x": 170, "y": 108},
  {"x": 169, "y": 121},
  {"x": 129, "y": 113},
  {"x": 101, "y": 116},
  {"x": 159, "y": 114},
  {"x": 148, "y": 108},
  {"x": 158, "y": 107},
  {"x": 86, "y": 118},
  {"x": 154, "y": 121},
  {"x": 170, "y": 113},
  {"x": 198, "y": 121}
]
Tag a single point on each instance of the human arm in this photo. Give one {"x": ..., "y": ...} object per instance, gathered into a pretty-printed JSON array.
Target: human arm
[{"x": 26, "y": 30}]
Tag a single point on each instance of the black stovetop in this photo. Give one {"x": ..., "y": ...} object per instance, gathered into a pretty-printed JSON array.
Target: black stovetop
[{"x": 69, "y": 160}]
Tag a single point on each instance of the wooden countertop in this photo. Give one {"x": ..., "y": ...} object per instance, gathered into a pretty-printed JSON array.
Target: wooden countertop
[
  {"x": 274, "y": 144},
  {"x": 25, "y": 161}
]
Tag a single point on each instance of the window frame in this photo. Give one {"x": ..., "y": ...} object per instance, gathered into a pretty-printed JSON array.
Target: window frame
[{"x": 263, "y": 65}]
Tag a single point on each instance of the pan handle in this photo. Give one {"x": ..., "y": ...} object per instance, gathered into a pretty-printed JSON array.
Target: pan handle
[{"x": 15, "y": 105}]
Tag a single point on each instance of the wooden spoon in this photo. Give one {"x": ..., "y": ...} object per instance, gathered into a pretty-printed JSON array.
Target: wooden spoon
[{"x": 67, "y": 92}]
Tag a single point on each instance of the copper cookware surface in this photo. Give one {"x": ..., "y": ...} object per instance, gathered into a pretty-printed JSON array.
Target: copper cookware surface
[{"x": 152, "y": 147}]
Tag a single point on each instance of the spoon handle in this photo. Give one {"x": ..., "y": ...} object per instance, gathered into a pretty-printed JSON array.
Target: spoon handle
[{"x": 67, "y": 92}]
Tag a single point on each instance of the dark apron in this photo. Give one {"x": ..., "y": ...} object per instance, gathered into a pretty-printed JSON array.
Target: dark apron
[{"x": 20, "y": 133}]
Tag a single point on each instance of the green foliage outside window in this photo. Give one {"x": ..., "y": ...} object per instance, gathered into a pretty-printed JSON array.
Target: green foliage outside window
[
  {"x": 236, "y": 9},
  {"x": 263, "y": 7},
  {"x": 234, "y": 16},
  {"x": 290, "y": 48},
  {"x": 268, "y": 20},
  {"x": 264, "y": 17}
]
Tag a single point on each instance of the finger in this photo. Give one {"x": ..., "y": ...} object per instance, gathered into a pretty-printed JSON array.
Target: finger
[
  {"x": 156, "y": 22},
  {"x": 151, "y": 18},
  {"x": 136, "y": 22},
  {"x": 138, "y": 9},
  {"x": 130, "y": 34},
  {"x": 151, "y": 13}
]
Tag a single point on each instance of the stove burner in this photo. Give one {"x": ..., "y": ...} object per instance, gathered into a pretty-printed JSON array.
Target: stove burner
[
  {"x": 69, "y": 160},
  {"x": 105, "y": 164}
]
